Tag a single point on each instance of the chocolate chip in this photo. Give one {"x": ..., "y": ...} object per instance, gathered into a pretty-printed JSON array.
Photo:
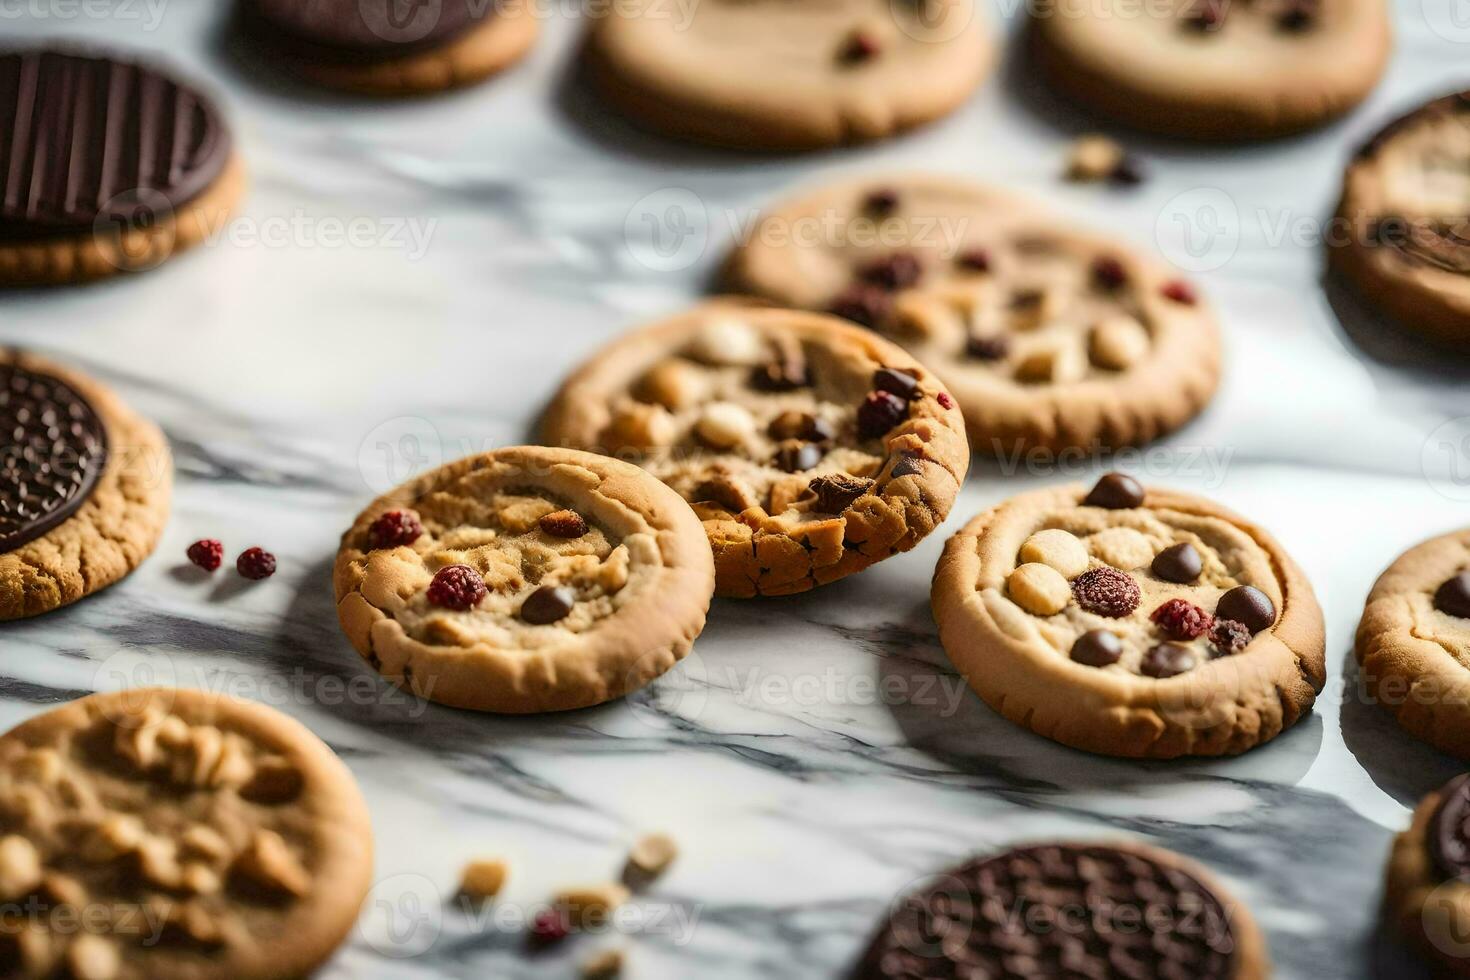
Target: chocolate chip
[
  {"x": 1168, "y": 660},
  {"x": 1179, "y": 563},
  {"x": 1027, "y": 299},
  {"x": 892, "y": 272},
  {"x": 1453, "y": 597},
  {"x": 1297, "y": 17},
  {"x": 1115, "y": 491},
  {"x": 880, "y": 203},
  {"x": 1097, "y": 648},
  {"x": 1128, "y": 173},
  {"x": 721, "y": 490},
  {"x": 784, "y": 372},
  {"x": 859, "y": 47},
  {"x": 1249, "y": 605},
  {"x": 1205, "y": 15},
  {"x": 800, "y": 425},
  {"x": 866, "y": 305},
  {"x": 973, "y": 260},
  {"x": 793, "y": 457},
  {"x": 563, "y": 524},
  {"x": 989, "y": 348},
  {"x": 906, "y": 466},
  {"x": 835, "y": 493},
  {"x": 1449, "y": 838},
  {"x": 548, "y": 604},
  {"x": 879, "y": 413},
  {"x": 900, "y": 383},
  {"x": 1108, "y": 274}
]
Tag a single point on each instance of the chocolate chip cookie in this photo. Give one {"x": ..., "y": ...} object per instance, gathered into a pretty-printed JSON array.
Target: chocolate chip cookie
[
  {"x": 774, "y": 75},
  {"x": 106, "y": 165},
  {"x": 1070, "y": 909},
  {"x": 1403, "y": 229},
  {"x": 1051, "y": 338},
  {"x": 1131, "y": 622},
  {"x": 1413, "y": 642},
  {"x": 809, "y": 448},
  {"x": 1214, "y": 69},
  {"x": 84, "y": 486},
  {"x": 160, "y": 832},
  {"x": 525, "y": 579},
  {"x": 391, "y": 47},
  {"x": 1427, "y": 897}
]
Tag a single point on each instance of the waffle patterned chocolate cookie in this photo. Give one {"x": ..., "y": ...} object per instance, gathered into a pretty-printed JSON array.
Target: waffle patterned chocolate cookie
[{"x": 809, "y": 448}]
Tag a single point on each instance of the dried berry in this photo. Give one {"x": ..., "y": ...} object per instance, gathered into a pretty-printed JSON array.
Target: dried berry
[
  {"x": 549, "y": 926},
  {"x": 1181, "y": 619},
  {"x": 394, "y": 528},
  {"x": 256, "y": 563},
  {"x": 1205, "y": 15},
  {"x": 992, "y": 347},
  {"x": 944, "y": 400},
  {"x": 860, "y": 46},
  {"x": 206, "y": 553},
  {"x": 563, "y": 524},
  {"x": 880, "y": 412},
  {"x": 1108, "y": 273},
  {"x": 973, "y": 260},
  {"x": 1180, "y": 292},
  {"x": 892, "y": 272},
  {"x": 880, "y": 203},
  {"x": 836, "y": 493},
  {"x": 862, "y": 304},
  {"x": 1106, "y": 592},
  {"x": 457, "y": 587},
  {"x": 1229, "y": 636}
]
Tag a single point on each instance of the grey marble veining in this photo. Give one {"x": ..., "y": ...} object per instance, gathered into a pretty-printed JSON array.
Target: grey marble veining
[{"x": 816, "y": 754}]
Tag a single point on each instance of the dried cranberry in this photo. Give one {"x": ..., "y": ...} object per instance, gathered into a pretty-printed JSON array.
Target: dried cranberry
[
  {"x": 880, "y": 412},
  {"x": 1205, "y": 15},
  {"x": 549, "y": 926},
  {"x": 256, "y": 563},
  {"x": 457, "y": 587},
  {"x": 206, "y": 553},
  {"x": 892, "y": 272},
  {"x": 1229, "y": 636},
  {"x": 394, "y": 528},
  {"x": 865, "y": 305},
  {"x": 973, "y": 260},
  {"x": 944, "y": 400},
  {"x": 1180, "y": 292},
  {"x": 860, "y": 46},
  {"x": 1181, "y": 619},
  {"x": 1107, "y": 592},
  {"x": 1108, "y": 273}
]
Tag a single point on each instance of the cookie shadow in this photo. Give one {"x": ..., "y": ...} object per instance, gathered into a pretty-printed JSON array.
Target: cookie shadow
[
  {"x": 1375, "y": 335},
  {"x": 1397, "y": 762}
]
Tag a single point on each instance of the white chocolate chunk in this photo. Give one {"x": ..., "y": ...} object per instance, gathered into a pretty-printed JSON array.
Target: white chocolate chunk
[
  {"x": 652, "y": 853},
  {"x": 725, "y": 425},
  {"x": 484, "y": 878},
  {"x": 1117, "y": 343},
  {"x": 1057, "y": 548},
  {"x": 727, "y": 341}
]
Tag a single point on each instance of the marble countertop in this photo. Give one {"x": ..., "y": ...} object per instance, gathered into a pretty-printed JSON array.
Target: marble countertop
[{"x": 408, "y": 282}]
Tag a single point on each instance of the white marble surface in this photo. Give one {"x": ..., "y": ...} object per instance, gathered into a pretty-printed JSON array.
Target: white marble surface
[{"x": 803, "y": 796}]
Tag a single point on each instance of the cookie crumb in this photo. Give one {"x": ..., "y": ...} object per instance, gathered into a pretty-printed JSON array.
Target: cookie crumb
[
  {"x": 1093, "y": 157},
  {"x": 590, "y": 905},
  {"x": 651, "y": 854},
  {"x": 603, "y": 965},
  {"x": 484, "y": 878}
]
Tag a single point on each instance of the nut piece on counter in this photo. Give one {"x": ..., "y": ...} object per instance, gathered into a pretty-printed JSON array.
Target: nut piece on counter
[
  {"x": 603, "y": 965},
  {"x": 482, "y": 879},
  {"x": 590, "y": 905},
  {"x": 1093, "y": 157},
  {"x": 651, "y": 854}
]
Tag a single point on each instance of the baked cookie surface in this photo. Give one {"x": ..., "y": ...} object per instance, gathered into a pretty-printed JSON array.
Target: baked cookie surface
[
  {"x": 392, "y": 47},
  {"x": 84, "y": 486},
  {"x": 109, "y": 166},
  {"x": 1049, "y": 337},
  {"x": 525, "y": 579},
  {"x": 1427, "y": 894},
  {"x": 1413, "y": 642},
  {"x": 203, "y": 837},
  {"x": 1215, "y": 69},
  {"x": 1070, "y": 909},
  {"x": 1131, "y": 622},
  {"x": 772, "y": 75},
  {"x": 809, "y": 448},
  {"x": 1404, "y": 220}
]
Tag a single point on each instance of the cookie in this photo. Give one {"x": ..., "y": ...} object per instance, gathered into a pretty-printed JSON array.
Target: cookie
[
  {"x": 525, "y": 579},
  {"x": 1069, "y": 909},
  {"x": 774, "y": 75},
  {"x": 1214, "y": 69},
  {"x": 391, "y": 47},
  {"x": 1413, "y": 642},
  {"x": 1401, "y": 235},
  {"x": 809, "y": 448},
  {"x": 1427, "y": 897},
  {"x": 84, "y": 486},
  {"x": 195, "y": 836},
  {"x": 1131, "y": 622},
  {"x": 108, "y": 165},
  {"x": 1050, "y": 337}
]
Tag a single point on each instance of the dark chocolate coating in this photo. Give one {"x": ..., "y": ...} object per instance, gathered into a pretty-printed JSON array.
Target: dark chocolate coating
[
  {"x": 86, "y": 139},
  {"x": 1449, "y": 831},
  {"x": 1058, "y": 910},
  {"x": 53, "y": 453},
  {"x": 372, "y": 28}
]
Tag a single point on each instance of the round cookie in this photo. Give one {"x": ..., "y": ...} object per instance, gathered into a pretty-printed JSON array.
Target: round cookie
[
  {"x": 195, "y": 836},
  {"x": 1401, "y": 233},
  {"x": 1051, "y": 338},
  {"x": 1214, "y": 69},
  {"x": 525, "y": 579},
  {"x": 1189, "y": 631},
  {"x": 1427, "y": 896},
  {"x": 84, "y": 486},
  {"x": 1069, "y": 909},
  {"x": 109, "y": 166},
  {"x": 809, "y": 448},
  {"x": 392, "y": 47},
  {"x": 1413, "y": 642},
  {"x": 774, "y": 75}
]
